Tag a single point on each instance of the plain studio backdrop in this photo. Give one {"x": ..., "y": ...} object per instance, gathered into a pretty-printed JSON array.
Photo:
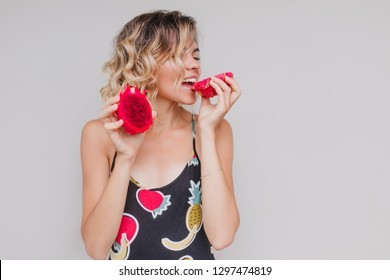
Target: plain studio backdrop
[{"x": 311, "y": 130}]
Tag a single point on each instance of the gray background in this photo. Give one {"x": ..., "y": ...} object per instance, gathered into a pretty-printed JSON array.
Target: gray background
[{"x": 311, "y": 129}]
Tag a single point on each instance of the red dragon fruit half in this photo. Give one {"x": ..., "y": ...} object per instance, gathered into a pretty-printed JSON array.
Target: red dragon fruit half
[
  {"x": 135, "y": 111},
  {"x": 203, "y": 87}
]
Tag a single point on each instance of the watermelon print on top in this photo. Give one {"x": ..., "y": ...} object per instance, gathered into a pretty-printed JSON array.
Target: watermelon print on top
[
  {"x": 128, "y": 231},
  {"x": 154, "y": 202},
  {"x": 173, "y": 211}
]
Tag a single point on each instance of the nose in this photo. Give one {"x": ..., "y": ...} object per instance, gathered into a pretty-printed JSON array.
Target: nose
[{"x": 192, "y": 64}]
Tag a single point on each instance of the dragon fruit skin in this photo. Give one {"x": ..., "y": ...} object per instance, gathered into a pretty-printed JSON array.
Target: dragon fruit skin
[
  {"x": 203, "y": 87},
  {"x": 135, "y": 111}
]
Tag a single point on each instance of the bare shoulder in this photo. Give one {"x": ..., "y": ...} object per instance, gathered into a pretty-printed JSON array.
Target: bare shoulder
[
  {"x": 224, "y": 137},
  {"x": 93, "y": 127},
  {"x": 224, "y": 129},
  {"x": 94, "y": 135}
]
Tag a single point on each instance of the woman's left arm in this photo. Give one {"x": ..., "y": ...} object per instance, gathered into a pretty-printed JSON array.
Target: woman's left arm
[{"x": 220, "y": 212}]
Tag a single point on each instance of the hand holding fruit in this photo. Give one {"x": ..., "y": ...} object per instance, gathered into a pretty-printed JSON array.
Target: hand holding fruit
[
  {"x": 228, "y": 92},
  {"x": 132, "y": 111}
]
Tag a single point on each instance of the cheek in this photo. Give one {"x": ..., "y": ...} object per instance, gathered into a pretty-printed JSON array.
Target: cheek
[
  {"x": 165, "y": 81},
  {"x": 167, "y": 75}
]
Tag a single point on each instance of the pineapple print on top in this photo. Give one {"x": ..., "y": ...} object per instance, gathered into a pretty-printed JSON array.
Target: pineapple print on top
[
  {"x": 154, "y": 202},
  {"x": 177, "y": 222},
  {"x": 193, "y": 220},
  {"x": 194, "y": 161}
]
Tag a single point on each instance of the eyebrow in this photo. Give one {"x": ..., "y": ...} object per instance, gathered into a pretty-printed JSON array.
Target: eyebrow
[{"x": 196, "y": 50}]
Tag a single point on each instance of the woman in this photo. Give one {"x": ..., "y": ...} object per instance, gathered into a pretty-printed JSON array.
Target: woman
[{"x": 159, "y": 213}]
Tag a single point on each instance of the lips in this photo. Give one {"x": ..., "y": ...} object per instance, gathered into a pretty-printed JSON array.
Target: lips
[{"x": 189, "y": 82}]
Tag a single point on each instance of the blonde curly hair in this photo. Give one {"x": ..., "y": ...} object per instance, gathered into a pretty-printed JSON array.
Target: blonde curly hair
[{"x": 142, "y": 45}]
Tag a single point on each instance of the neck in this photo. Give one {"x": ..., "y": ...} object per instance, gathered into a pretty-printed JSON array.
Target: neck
[{"x": 169, "y": 116}]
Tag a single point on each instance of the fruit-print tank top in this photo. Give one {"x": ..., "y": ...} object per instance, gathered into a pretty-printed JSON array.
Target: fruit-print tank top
[{"x": 164, "y": 223}]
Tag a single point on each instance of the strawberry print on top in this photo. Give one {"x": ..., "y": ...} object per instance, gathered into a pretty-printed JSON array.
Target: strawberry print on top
[{"x": 154, "y": 202}]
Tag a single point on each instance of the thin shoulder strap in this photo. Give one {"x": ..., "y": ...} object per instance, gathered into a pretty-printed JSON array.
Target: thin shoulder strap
[
  {"x": 194, "y": 134},
  {"x": 113, "y": 163},
  {"x": 193, "y": 143},
  {"x": 193, "y": 125}
]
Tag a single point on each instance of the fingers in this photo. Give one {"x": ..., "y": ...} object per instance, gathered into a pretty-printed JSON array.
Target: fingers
[
  {"x": 111, "y": 126},
  {"x": 108, "y": 113},
  {"x": 154, "y": 114},
  {"x": 236, "y": 91},
  {"x": 228, "y": 91},
  {"x": 222, "y": 84},
  {"x": 110, "y": 101},
  {"x": 109, "y": 108},
  {"x": 220, "y": 89},
  {"x": 205, "y": 100}
]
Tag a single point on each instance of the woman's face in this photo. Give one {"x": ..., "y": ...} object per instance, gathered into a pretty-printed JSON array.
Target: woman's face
[{"x": 169, "y": 74}]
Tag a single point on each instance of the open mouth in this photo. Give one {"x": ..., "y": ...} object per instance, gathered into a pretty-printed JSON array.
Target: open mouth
[{"x": 189, "y": 82}]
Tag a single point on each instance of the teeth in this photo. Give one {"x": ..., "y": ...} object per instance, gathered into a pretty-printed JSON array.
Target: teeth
[{"x": 189, "y": 80}]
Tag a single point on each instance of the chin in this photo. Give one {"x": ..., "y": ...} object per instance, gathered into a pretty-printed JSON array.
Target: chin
[
  {"x": 187, "y": 98},
  {"x": 188, "y": 103}
]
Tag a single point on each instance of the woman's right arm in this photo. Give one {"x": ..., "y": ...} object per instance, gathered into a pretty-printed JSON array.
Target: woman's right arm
[{"x": 104, "y": 196}]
